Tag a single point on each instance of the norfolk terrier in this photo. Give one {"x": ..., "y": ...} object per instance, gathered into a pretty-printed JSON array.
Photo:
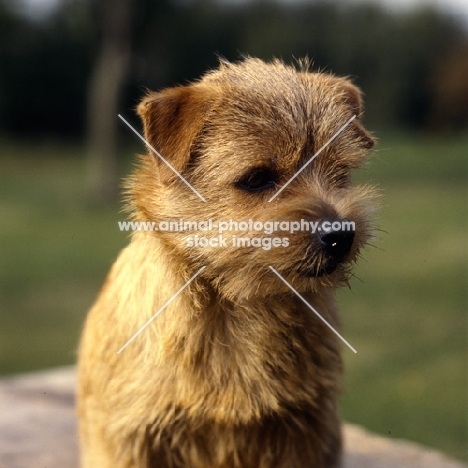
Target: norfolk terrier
[{"x": 231, "y": 367}]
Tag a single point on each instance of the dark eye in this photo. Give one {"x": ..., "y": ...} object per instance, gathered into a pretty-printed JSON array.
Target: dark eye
[{"x": 258, "y": 179}]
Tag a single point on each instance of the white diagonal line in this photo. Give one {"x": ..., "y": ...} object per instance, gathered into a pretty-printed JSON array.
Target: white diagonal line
[
  {"x": 312, "y": 158},
  {"x": 161, "y": 309},
  {"x": 311, "y": 308},
  {"x": 160, "y": 157}
]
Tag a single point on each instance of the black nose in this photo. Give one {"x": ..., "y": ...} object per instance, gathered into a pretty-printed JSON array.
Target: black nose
[{"x": 336, "y": 243}]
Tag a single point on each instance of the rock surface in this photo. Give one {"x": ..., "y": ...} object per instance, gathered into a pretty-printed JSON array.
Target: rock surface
[{"x": 38, "y": 430}]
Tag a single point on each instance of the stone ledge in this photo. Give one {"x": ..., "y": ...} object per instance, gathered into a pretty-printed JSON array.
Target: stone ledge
[{"x": 38, "y": 429}]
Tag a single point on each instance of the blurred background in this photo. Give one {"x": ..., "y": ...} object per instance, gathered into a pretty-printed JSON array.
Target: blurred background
[{"x": 68, "y": 67}]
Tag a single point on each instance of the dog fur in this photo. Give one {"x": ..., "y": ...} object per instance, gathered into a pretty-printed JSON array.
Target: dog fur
[{"x": 236, "y": 371}]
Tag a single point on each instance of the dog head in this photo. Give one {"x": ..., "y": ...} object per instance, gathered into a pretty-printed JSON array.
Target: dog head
[{"x": 261, "y": 147}]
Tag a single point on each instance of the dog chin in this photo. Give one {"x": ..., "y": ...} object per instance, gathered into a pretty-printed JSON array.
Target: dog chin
[{"x": 327, "y": 270}]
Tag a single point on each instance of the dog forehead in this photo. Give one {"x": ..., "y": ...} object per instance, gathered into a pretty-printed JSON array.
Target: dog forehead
[
  {"x": 275, "y": 83},
  {"x": 271, "y": 113},
  {"x": 259, "y": 91},
  {"x": 273, "y": 98}
]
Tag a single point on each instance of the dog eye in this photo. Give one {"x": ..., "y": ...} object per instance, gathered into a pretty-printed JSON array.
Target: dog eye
[{"x": 258, "y": 179}]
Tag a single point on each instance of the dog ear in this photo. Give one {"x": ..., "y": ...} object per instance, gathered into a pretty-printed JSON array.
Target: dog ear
[
  {"x": 172, "y": 119},
  {"x": 351, "y": 96}
]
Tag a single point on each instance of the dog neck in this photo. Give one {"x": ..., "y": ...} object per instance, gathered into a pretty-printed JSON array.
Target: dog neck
[{"x": 241, "y": 359}]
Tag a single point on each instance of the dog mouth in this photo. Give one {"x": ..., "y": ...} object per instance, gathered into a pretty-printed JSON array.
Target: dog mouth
[{"x": 324, "y": 269}]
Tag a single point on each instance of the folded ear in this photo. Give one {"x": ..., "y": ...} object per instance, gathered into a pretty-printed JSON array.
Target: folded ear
[
  {"x": 172, "y": 119},
  {"x": 351, "y": 96}
]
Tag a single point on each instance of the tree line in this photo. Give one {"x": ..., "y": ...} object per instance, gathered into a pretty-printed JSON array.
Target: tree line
[{"x": 413, "y": 67}]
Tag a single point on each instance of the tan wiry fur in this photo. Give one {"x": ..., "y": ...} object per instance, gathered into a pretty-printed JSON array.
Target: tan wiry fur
[{"x": 236, "y": 372}]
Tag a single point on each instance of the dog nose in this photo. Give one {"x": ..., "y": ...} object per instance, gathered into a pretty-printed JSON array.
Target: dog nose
[{"x": 336, "y": 242}]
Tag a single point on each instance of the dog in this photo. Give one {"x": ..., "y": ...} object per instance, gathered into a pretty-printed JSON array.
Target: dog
[{"x": 233, "y": 368}]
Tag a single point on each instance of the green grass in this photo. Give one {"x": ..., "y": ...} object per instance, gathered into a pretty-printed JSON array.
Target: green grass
[
  {"x": 405, "y": 313},
  {"x": 55, "y": 249}
]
